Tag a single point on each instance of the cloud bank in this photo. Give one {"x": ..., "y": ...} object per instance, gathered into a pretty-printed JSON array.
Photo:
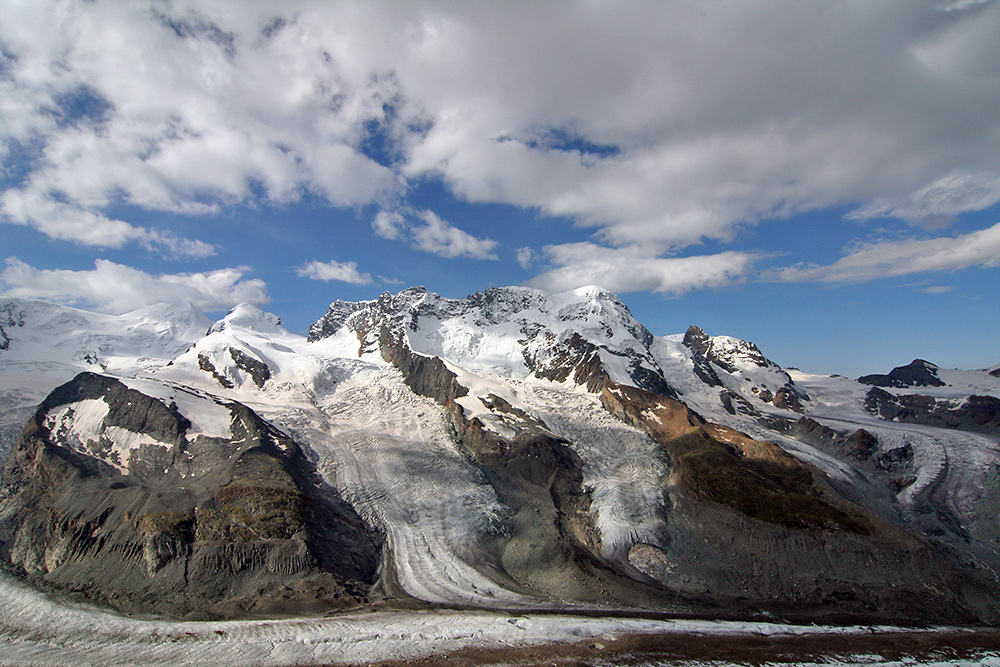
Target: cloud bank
[
  {"x": 900, "y": 258},
  {"x": 116, "y": 289},
  {"x": 657, "y": 125},
  {"x": 634, "y": 270}
]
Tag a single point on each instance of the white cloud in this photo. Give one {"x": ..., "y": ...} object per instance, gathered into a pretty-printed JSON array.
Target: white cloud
[
  {"x": 687, "y": 121},
  {"x": 343, "y": 271},
  {"x": 937, "y": 204},
  {"x": 899, "y": 258},
  {"x": 721, "y": 113},
  {"x": 440, "y": 238},
  {"x": 198, "y": 105},
  {"x": 634, "y": 270},
  {"x": 429, "y": 233},
  {"x": 63, "y": 221},
  {"x": 115, "y": 288},
  {"x": 525, "y": 257},
  {"x": 389, "y": 224}
]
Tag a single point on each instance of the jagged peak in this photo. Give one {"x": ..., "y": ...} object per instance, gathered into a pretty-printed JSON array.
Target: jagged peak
[{"x": 516, "y": 330}]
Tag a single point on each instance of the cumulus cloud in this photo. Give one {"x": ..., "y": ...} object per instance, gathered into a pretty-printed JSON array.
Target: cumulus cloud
[
  {"x": 180, "y": 107},
  {"x": 115, "y": 288},
  {"x": 688, "y": 121},
  {"x": 389, "y": 224},
  {"x": 440, "y": 238},
  {"x": 525, "y": 257},
  {"x": 343, "y": 271},
  {"x": 426, "y": 231},
  {"x": 899, "y": 258},
  {"x": 634, "y": 270},
  {"x": 64, "y": 221}
]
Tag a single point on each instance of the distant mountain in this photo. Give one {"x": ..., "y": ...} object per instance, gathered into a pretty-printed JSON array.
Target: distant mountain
[
  {"x": 43, "y": 345},
  {"x": 513, "y": 449}
]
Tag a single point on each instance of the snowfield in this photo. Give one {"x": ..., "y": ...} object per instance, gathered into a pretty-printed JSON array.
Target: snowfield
[{"x": 38, "y": 631}]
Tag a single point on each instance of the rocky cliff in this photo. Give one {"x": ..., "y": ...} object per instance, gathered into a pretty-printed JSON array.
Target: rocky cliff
[{"x": 114, "y": 494}]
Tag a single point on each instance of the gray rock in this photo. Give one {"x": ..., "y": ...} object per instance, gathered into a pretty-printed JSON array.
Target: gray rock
[
  {"x": 918, "y": 373},
  {"x": 979, "y": 414},
  {"x": 209, "y": 527}
]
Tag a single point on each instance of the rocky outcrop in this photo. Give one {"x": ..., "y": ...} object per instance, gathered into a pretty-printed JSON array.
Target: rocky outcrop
[
  {"x": 750, "y": 525},
  {"x": 918, "y": 373},
  {"x": 743, "y": 361},
  {"x": 857, "y": 446},
  {"x": 180, "y": 525},
  {"x": 10, "y": 316},
  {"x": 980, "y": 414},
  {"x": 249, "y": 364},
  {"x": 891, "y": 468},
  {"x": 552, "y": 546},
  {"x": 699, "y": 343}
]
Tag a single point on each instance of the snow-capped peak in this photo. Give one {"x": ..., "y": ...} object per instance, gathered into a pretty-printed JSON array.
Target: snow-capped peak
[
  {"x": 513, "y": 331},
  {"x": 249, "y": 317}
]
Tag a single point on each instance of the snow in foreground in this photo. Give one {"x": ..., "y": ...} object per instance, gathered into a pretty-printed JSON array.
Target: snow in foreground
[{"x": 36, "y": 630}]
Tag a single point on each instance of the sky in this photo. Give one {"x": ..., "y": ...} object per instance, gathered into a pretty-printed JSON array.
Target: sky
[{"x": 822, "y": 178}]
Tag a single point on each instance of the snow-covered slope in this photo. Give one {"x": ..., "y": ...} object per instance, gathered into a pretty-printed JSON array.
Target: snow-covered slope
[{"x": 43, "y": 345}]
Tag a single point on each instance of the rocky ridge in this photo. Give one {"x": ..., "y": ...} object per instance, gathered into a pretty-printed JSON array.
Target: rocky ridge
[{"x": 181, "y": 523}]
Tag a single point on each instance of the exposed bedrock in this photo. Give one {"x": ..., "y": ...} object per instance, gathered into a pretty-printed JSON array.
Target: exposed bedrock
[
  {"x": 203, "y": 526},
  {"x": 979, "y": 414},
  {"x": 917, "y": 373},
  {"x": 551, "y": 547},
  {"x": 749, "y": 528}
]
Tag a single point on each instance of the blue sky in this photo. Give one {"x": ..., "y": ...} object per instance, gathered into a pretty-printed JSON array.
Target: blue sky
[{"x": 820, "y": 177}]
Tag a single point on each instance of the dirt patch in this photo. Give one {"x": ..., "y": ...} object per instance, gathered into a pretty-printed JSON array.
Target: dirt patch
[{"x": 741, "y": 649}]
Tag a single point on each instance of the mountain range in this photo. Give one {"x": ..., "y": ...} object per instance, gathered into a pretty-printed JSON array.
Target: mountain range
[{"x": 512, "y": 450}]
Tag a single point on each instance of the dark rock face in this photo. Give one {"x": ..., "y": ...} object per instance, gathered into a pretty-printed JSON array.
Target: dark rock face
[
  {"x": 205, "y": 364},
  {"x": 256, "y": 368},
  {"x": 918, "y": 373},
  {"x": 858, "y": 446},
  {"x": 698, "y": 342},
  {"x": 206, "y": 526},
  {"x": 780, "y": 522},
  {"x": 10, "y": 316},
  {"x": 980, "y": 414},
  {"x": 786, "y": 398},
  {"x": 891, "y": 470},
  {"x": 574, "y": 357}
]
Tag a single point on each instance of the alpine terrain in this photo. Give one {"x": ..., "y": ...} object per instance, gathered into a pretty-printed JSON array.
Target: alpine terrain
[{"x": 513, "y": 450}]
